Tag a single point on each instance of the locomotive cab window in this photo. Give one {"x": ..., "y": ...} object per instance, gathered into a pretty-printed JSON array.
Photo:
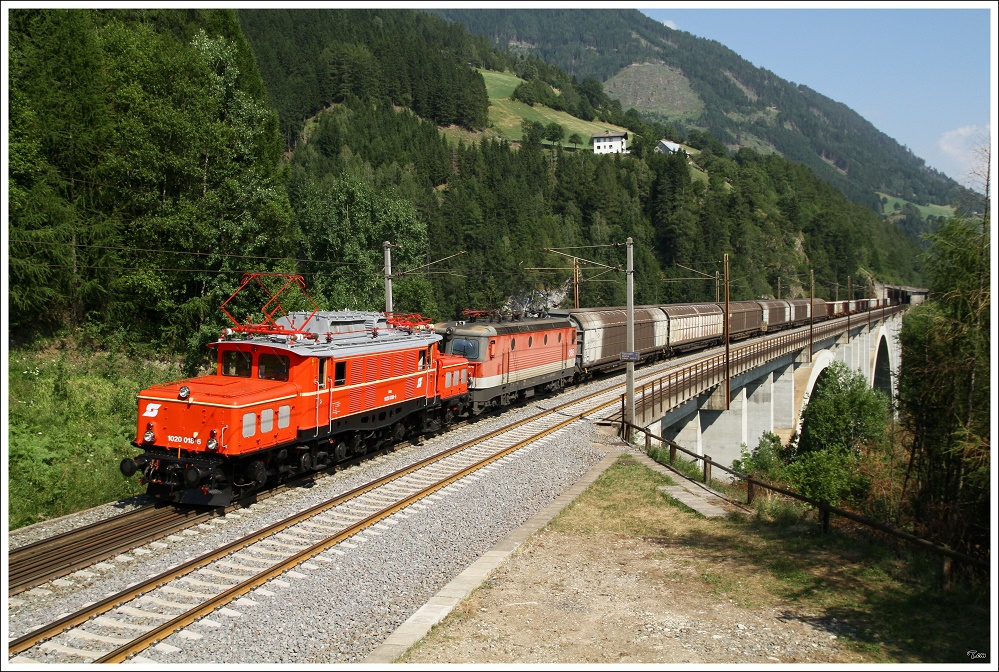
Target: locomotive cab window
[
  {"x": 339, "y": 373},
  {"x": 466, "y": 347},
  {"x": 272, "y": 367},
  {"x": 236, "y": 363},
  {"x": 323, "y": 372}
]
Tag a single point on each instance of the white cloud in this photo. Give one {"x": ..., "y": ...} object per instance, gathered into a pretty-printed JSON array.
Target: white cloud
[
  {"x": 960, "y": 148},
  {"x": 670, "y": 23}
]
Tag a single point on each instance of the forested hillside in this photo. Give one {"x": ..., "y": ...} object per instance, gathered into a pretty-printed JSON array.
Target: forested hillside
[
  {"x": 311, "y": 58},
  {"x": 147, "y": 174},
  {"x": 736, "y": 102}
]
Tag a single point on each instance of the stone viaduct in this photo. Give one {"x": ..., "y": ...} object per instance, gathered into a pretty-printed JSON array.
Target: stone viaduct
[{"x": 769, "y": 383}]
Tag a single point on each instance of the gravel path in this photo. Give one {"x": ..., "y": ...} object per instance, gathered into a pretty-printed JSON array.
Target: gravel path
[
  {"x": 335, "y": 608},
  {"x": 564, "y": 599}
]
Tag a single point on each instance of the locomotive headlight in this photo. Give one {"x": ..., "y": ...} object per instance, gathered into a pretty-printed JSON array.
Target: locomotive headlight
[
  {"x": 184, "y": 392},
  {"x": 149, "y": 437},
  {"x": 213, "y": 444}
]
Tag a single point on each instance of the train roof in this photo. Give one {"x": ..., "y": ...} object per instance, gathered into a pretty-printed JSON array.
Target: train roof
[
  {"x": 336, "y": 334},
  {"x": 687, "y": 309},
  {"x": 494, "y": 328}
]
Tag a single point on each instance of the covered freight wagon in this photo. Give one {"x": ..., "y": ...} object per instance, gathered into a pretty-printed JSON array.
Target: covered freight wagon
[
  {"x": 776, "y": 315},
  {"x": 745, "y": 318},
  {"x": 602, "y": 334},
  {"x": 693, "y": 325}
]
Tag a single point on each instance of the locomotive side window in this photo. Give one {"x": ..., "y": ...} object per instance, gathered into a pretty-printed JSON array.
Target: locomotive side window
[
  {"x": 284, "y": 416},
  {"x": 249, "y": 424},
  {"x": 272, "y": 367},
  {"x": 467, "y": 347},
  {"x": 236, "y": 363},
  {"x": 447, "y": 379},
  {"x": 339, "y": 373},
  {"x": 423, "y": 360},
  {"x": 464, "y": 376},
  {"x": 266, "y": 420}
]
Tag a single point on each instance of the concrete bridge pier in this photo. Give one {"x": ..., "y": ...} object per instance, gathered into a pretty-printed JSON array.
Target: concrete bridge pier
[
  {"x": 783, "y": 399},
  {"x": 762, "y": 401}
]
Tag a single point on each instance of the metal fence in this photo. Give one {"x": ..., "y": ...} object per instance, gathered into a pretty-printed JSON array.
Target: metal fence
[{"x": 825, "y": 509}]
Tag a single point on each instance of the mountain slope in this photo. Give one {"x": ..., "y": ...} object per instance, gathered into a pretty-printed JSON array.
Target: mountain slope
[{"x": 671, "y": 75}]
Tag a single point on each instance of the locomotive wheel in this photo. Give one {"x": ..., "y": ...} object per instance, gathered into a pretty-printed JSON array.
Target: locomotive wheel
[
  {"x": 398, "y": 432},
  {"x": 305, "y": 462},
  {"x": 256, "y": 472},
  {"x": 340, "y": 451}
]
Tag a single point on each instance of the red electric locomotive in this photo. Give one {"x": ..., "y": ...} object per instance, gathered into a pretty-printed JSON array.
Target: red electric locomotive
[
  {"x": 511, "y": 358},
  {"x": 292, "y": 395}
]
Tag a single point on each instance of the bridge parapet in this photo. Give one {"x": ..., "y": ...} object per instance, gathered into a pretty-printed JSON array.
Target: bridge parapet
[{"x": 717, "y": 406}]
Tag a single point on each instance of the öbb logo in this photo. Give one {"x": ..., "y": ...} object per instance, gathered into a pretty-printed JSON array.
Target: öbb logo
[{"x": 151, "y": 410}]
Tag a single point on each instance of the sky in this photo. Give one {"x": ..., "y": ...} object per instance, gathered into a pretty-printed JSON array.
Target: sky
[{"x": 920, "y": 73}]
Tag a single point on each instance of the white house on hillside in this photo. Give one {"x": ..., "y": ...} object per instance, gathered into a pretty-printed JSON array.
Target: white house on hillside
[
  {"x": 667, "y": 147},
  {"x": 610, "y": 142}
]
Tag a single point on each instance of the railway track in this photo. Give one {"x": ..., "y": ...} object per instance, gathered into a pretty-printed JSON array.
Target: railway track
[
  {"x": 147, "y": 611},
  {"x": 54, "y": 557},
  {"x": 205, "y": 584},
  {"x": 37, "y": 563}
]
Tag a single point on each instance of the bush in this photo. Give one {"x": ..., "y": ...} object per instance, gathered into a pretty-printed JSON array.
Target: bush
[
  {"x": 831, "y": 475},
  {"x": 764, "y": 461},
  {"x": 72, "y": 416}
]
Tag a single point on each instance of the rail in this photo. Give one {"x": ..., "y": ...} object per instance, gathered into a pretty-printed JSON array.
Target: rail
[{"x": 824, "y": 507}]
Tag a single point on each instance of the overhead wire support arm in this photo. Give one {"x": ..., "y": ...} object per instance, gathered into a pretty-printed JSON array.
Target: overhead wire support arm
[
  {"x": 414, "y": 270},
  {"x": 584, "y": 247},
  {"x": 694, "y": 270},
  {"x": 389, "y": 276},
  {"x": 589, "y": 261}
]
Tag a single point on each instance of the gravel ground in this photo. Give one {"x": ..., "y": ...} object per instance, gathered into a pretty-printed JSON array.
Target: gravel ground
[
  {"x": 564, "y": 599},
  {"x": 336, "y": 608}
]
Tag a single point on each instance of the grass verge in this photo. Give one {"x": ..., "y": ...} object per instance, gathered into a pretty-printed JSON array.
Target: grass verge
[
  {"x": 887, "y": 606},
  {"x": 72, "y": 414}
]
